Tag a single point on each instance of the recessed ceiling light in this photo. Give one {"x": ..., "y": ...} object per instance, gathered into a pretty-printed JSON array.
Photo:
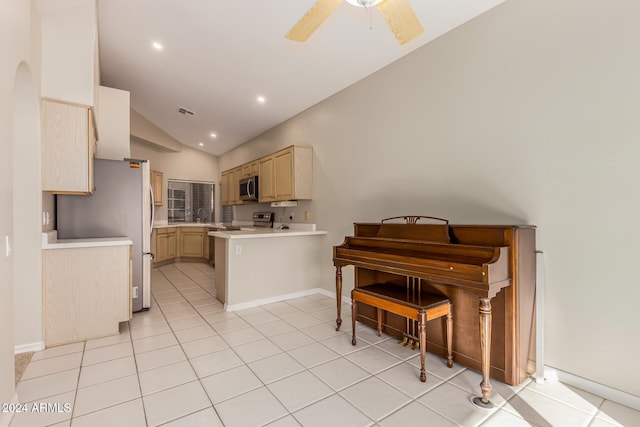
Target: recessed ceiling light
[
  {"x": 157, "y": 46},
  {"x": 201, "y": 144},
  {"x": 261, "y": 99},
  {"x": 213, "y": 135}
]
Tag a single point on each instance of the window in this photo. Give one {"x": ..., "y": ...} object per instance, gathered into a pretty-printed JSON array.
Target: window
[{"x": 190, "y": 201}]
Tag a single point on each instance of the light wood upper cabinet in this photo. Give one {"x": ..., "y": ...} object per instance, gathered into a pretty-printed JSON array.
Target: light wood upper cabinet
[
  {"x": 112, "y": 111},
  {"x": 225, "y": 188},
  {"x": 284, "y": 175},
  {"x": 157, "y": 183},
  {"x": 235, "y": 186},
  {"x": 231, "y": 187},
  {"x": 288, "y": 175},
  {"x": 250, "y": 169},
  {"x": 68, "y": 147},
  {"x": 266, "y": 191}
]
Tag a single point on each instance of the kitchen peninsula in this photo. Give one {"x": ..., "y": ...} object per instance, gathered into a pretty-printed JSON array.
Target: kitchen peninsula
[{"x": 255, "y": 267}]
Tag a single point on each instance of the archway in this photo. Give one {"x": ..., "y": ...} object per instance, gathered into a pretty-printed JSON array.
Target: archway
[{"x": 27, "y": 208}]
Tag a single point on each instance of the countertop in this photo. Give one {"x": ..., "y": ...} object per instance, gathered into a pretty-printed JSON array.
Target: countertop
[
  {"x": 248, "y": 231},
  {"x": 267, "y": 232},
  {"x": 187, "y": 224},
  {"x": 50, "y": 241}
]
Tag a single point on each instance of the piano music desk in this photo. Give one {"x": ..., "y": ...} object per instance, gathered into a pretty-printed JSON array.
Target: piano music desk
[{"x": 419, "y": 306}]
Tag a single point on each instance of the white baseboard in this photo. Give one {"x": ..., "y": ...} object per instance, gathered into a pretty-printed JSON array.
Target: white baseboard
[
  {"x": 271, "y": 300},
  {"x": 331, "y": 294},
  {"x": 5, "y": 418},
  {"x": 598, "y": 389},
  {"x": 34, "y": 346},
  {"x": 551, "y": 374}
]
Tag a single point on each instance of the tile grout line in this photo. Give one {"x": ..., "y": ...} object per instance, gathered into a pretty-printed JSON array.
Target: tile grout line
[
  {"x": 247, "y": 366},
  {"x": 265, "y": 385},
  {"x": 188, "y": 359},
  {"x": 75, "y": 394},
  {"x": 135, "y": 362},
  {"x": 374, "y": 345}
]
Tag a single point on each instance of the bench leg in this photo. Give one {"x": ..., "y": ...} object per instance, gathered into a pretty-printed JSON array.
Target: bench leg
[
  {"x": 450, "y": 337},
  {"x": 379, "y": 322},
  {"x": 354, "y": 309},
  {"x": 422, "y": 328}
]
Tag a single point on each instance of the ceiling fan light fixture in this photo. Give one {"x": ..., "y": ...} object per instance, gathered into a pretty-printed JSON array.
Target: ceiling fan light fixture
[
  {"x": 364, "y": 3},
  {"x": 400, "y": 17}
]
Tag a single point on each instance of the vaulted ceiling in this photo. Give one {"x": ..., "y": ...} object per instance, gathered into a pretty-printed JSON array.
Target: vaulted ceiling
[{"x": 219, "y": 56}]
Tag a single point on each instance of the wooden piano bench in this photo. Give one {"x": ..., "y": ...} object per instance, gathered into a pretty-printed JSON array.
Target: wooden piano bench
[{"x": 418, "y": 306}]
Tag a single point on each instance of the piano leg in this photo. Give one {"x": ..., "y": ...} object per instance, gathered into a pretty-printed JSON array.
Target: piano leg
[
  {"x": 450, "y": 337},
  {"x": 485, "y": 348},
  {"x": 339, "y": 296},
  {"x": 422, "y": 329}
]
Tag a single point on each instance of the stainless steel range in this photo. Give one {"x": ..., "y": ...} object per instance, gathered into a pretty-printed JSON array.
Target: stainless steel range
[{"x": 263, "y": 219}]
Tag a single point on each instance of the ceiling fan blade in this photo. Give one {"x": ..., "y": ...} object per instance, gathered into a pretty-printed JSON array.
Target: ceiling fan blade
[
  {"x": 401, "y": 19},
  {"x": 312, "y": 20}
]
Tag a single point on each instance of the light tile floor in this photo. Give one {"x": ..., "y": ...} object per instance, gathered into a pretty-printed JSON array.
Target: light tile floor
[{"x": 186, "y": 362}]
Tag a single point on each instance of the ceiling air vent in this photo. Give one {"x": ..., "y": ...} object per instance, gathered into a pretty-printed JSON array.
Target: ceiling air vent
[{"x": 184, "y": 111}]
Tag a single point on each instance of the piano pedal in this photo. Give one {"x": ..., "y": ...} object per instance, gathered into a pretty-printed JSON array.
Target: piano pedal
[
  {"x": 416, "y": 345},
  {"x": 403, "y": 342},
  {"x": 408, "y": 343}
]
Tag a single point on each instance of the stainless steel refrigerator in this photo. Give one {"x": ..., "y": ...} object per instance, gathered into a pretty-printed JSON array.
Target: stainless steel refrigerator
[{"x": 121, "y": 205}]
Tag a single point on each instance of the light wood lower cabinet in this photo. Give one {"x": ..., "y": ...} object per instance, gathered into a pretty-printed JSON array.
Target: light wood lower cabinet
[
  {"x": 165, "y": 243},
  {"x": 87, "y": 292},
  {"x": 192, "y": 242},
  {"x": 169, "y": 243}
]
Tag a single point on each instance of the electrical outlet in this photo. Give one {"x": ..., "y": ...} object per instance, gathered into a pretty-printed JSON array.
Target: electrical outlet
[
  {"x": 306, "y": 215},
  {"x": 135, "y": 292},
  {"x": 238, "y": 249}
]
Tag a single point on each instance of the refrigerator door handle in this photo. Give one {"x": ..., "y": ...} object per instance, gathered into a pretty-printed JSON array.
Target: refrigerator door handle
[
  {"x": 149, "y": 253},
  {"x": 153, "y": 213}
]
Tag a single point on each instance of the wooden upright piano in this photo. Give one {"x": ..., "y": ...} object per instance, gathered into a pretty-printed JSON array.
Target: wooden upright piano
[{"x": 486, "y": 271}]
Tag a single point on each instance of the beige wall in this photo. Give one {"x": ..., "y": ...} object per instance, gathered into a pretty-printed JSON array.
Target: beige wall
[
  {"x": 187, "y": 164},
  {"x": 526, "y": 115},
  {"x": 19, "y": 89}
]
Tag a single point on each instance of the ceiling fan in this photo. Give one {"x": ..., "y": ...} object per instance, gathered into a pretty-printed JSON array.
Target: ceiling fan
[{"x": 399, "y": 15}]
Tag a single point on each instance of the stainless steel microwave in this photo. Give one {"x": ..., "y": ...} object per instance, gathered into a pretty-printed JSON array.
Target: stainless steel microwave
[{"x": 249, "y": 189}]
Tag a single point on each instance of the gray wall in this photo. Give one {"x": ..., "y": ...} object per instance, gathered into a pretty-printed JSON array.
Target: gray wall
[{"x": 527, "y": 115}]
